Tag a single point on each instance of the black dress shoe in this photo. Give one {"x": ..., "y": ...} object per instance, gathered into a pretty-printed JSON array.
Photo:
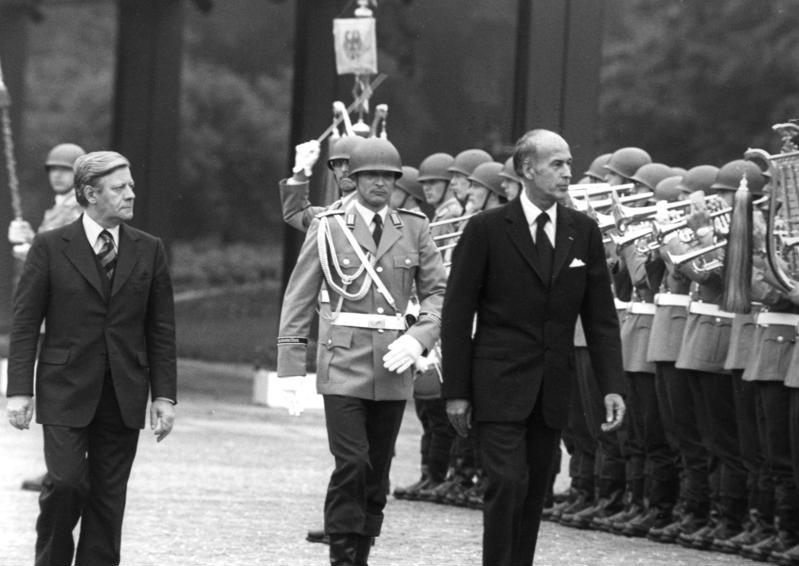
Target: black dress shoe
[{"x": 317, "y": 536}]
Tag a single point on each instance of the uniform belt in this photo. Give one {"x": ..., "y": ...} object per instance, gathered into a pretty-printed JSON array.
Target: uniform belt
[
  {"x": 376, "y": 321},
  {"x": 708, "y": 309},
  {"x": 640, "y": 307},
  {"x": 772, "y": 318},
  {"x": 621, "y": 305},
  {"x": 672, "y": 300}
]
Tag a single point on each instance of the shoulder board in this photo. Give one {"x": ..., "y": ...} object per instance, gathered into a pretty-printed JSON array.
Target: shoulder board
[
  {"x": 351, "y": 220},
  {"x": 413, "y": 212},
  {"x": 330, "y": 212}
]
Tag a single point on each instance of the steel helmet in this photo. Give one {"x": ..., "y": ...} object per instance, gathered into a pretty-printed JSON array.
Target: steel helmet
[
  {"x": 679, "y": 171},
  {"x": 63, "y": 155},
  {"x": 730, "y": 174},
  {"x": 651, "y": 174},
  {"x": 508, "y": 172},
  {"x": 375, "y": 154},
  {"x": 597, "y": 169},
  {"x": 699, "y": 178},
  {"x": 627, "y": 160},
  {"x": 667, "y": 189},
  {"x": 436, "y": 167},
  {"x": 410, "y": 183},
  {"x": 342, "y": 148},
  {"x": 467, "y": 160},
  {"x": 488, "y": 175}
]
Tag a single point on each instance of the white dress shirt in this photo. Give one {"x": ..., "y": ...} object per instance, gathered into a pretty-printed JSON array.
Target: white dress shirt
[
  {"x": 531, "y": 213},
  {"x": 369, "y": 215},
  {"x": 93, "y": 229}
]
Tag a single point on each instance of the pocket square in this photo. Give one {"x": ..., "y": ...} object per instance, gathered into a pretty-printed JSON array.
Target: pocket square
[{"x": 577, "y": 262}]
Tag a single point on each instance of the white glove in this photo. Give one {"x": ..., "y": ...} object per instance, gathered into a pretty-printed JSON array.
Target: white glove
[
  {"x": 20, "y": 232},
  {"x": 305, "y": 157},
  {"x": 293, "y": 400},
  {"x": 402, "y": 352},
  {"x": 20, "y": 251}
]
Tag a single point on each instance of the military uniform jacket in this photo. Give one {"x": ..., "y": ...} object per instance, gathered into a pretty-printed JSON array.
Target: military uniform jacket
[
  {"x": 298, "y": 212},
  {"x": 63, "y": 212},
  {"x": 636, "y": 327},
  {"x": 350, "y": 359}
]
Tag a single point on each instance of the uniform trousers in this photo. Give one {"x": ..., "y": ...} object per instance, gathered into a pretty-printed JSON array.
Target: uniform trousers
[
  {"x": 794, "y": 431},
  {"x": 690, "y": 429},
  {"x": 437, "y": 436},
  {"x": 517, "y": 460},
  {"x": 609, "y": 464},
  {"x": 579, "y": 440},
  {"x": 661, "y": 459},
  {"x": 87, "y": 477},
  {"x": 718, "y": 404},
  {"x": 752, "y": 441},
  {"x": 361, "y": 435},
  {"x": 774, "y": 400},
  {"x": 632, "y": 434}
]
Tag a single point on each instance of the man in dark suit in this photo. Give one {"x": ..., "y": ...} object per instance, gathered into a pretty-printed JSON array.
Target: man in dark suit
[
  {"x": 526, "y": 270},
  {"x": 104, "y": 292}
]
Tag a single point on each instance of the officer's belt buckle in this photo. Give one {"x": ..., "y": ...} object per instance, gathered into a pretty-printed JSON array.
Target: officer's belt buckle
[
  {"x": 708, "y": 309},
  {"x": 370, "y": 321},
  {"x": 672, "y": 300},
  {"x": 641, "y": 307}
]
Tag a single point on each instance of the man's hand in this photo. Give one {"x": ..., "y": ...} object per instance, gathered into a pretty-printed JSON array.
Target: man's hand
[
  {"x": 402, "y": 352},
  {"x": 162, "y": 417},
  {"x": 459, "y": 412},
  {"x": 614, "y": 412},
  {"x": 305, "y": 157},
  {"x": 20, "y": 411},
  {"x": 20, "y": 232}
]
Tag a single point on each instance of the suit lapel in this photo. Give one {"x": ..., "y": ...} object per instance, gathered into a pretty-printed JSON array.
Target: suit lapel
[
  {"x": 519, "y": 233},
  {"x": 127, "y": 258},
  {"x": 80, "y": 253},
  {"x": 564, "y": 238}
]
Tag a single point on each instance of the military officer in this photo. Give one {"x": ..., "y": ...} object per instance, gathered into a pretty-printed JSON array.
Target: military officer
[{"x": 370, "y": 258}]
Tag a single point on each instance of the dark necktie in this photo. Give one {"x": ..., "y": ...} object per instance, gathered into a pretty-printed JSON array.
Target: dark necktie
[
  {"x": 378, "y": 231},
  {"x": 107, "y": 254},
  {"x": 545, "y": 251}
]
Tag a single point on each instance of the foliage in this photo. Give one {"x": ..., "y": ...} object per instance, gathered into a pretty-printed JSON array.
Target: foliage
[
  {"x": 201, "y": 264},
  {"x": 698, "y": 82}
]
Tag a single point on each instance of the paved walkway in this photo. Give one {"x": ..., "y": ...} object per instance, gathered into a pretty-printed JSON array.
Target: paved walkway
[{"x": 238, "y": 484}]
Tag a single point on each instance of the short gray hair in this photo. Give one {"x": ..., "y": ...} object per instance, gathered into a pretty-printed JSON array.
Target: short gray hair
[
  {"x": 92, "y": 166},
  {"x": 527, "y": 148}
]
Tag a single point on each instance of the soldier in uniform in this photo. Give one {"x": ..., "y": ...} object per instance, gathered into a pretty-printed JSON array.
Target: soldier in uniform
[
  {"x": 65, "y": 209},
  {"x": 370, "y": 258},
  {"x": 596, "y": 171},
  {"x": 485, "y": 191},
  {"x": 297, "y": 209},
  {"x": 511, "y": 182},
  {"x": 462, "y": 167},
  {"x": 624, "y": 163},
  {"x": 407, "y": 193}
]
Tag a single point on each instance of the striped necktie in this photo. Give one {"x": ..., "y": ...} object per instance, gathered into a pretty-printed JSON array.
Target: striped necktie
[{"x": 107, "y": 254}]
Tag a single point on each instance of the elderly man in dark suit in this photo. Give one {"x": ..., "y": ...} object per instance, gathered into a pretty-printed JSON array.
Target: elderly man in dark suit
[
  {"x": 104, "y": 292},
  {"x": 526, "y": 270}
]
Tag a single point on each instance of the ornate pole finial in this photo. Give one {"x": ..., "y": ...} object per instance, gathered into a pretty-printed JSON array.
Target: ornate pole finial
[{"x": 787, "y": 132}]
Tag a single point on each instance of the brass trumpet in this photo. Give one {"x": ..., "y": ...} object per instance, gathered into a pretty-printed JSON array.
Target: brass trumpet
[
  {"x": 582, "y": 204},
  {"x": 586, "y": 190},
  {"x": 680, "y": 260}
]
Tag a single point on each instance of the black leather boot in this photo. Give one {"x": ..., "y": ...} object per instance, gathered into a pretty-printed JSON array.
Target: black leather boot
[
  {"x": 343, "y": 548},
  {"x": 362, "y": 549}
]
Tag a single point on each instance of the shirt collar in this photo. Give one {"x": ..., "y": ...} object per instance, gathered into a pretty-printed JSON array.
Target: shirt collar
[
  {"x": 531, "y": 211},
  {"x": 93, "y": 229},
  {"x": 368, "y": 215}
]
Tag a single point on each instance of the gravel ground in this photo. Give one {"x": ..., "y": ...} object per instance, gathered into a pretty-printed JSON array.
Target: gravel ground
[{"x": 237, "y": 484}]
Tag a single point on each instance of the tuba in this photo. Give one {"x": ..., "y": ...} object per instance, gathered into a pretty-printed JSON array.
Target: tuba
[{"x": 782, "y": 227}]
